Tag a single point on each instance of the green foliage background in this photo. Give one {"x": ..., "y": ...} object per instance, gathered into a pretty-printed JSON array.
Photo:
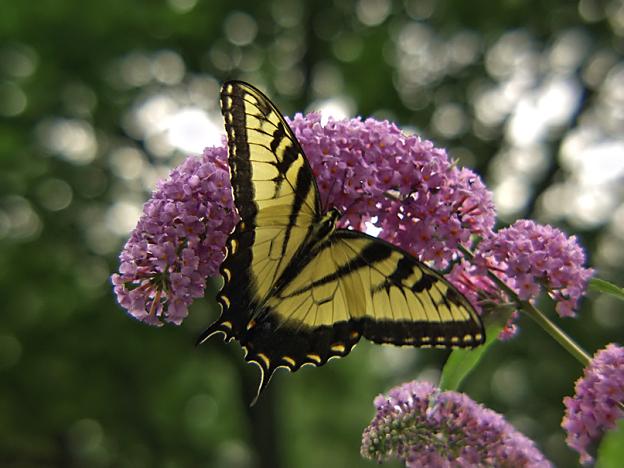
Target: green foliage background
[{"x": 81, "y": 384}]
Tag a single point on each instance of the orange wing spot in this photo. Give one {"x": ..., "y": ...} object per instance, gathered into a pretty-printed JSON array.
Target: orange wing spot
[
  {"x": 314, "y": 357},
  {"x": 354, "y": 335},
  {"x": 288, "y": 360},
  {"x": 264, "y": 359},
  {"x": 338, "y": 348},
  {"x": 251, "y": 324}
]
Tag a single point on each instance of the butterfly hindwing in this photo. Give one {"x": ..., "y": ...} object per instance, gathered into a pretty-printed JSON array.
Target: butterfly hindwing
[
  {"x": 407, "y": 303},
  {"x": 379, "y": 291},
  {"x": 298, "y": 294}
]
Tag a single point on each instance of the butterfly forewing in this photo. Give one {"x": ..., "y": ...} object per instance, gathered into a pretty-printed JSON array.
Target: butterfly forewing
[{"x": 273, "y": 187}]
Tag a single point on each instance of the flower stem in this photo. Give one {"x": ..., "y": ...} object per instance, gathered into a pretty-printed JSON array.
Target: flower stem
[
  {"x": 544, "y": 322},
  {"x": 554, "y": 331}
]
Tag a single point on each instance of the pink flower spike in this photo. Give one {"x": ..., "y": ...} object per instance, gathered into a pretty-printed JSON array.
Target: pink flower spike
[
  {"x": 422, "y": 426},
  {"x": 597, "y": 403}
]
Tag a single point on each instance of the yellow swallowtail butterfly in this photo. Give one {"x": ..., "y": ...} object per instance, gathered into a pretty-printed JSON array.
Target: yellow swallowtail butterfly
[{"x": 296, "y": 289}]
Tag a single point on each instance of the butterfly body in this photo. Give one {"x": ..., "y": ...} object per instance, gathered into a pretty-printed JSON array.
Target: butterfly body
[{"x": 297, "y": 290}]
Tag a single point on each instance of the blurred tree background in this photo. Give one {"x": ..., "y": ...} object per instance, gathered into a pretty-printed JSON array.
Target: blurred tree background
[{"x": 101, "y": 99}]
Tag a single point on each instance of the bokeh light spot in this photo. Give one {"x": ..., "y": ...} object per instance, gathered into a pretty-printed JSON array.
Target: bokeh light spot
[
  {"x": 55, "y": 194},
  {"x": 18, "y": 60},
  {"x": 201, "y": 411},
  {"x": 12, "y": 99},
  {"x": 127, "y": 163},
  {"x": 135, "y": 69},
  {"x": 191, "y": 130},
  {"x": 510, "y": 196},
  {"x": 449, "y": 120},
  {"x": 182, "y": 6},
  {"x": 71, "y": 139},
  {"x": 23, "y": 223},
  {"x": 508, "y": 383},
  {"x": 122, "y": 216},
  {"x": 168, "y": 67},
  {"x": 240, "y": 28},
  {"x": 372, "y": 12},
  {"x": 287, "y": 13},
  {"x": 337, "y": 108}
]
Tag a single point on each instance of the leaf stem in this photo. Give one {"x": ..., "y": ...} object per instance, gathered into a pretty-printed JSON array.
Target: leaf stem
[{"x": 544, "y": 322}]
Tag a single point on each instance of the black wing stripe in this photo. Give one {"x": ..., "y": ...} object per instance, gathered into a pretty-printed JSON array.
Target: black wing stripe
[
  {"x": 303, "y": 189},
  {"x": 241, "y": 170},
  {"x": 365, "y": 258}
]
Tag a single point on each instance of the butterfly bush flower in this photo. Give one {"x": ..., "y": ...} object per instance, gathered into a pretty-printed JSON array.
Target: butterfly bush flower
[
  {"x": 422, "y": 426},
  {"x": 370, "y": 170},
  {"x": 178, "y": 241},
  {"x": 597, "y": 403},
  {"x": 529, "y": 258}
]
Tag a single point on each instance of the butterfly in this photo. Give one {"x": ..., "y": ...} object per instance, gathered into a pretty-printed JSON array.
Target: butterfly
[{"x": 297, "y": 290}]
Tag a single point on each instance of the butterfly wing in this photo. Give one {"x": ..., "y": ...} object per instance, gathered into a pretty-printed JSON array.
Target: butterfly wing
[
  {"x": 407, "y": 303},
  {"x": 355, "y": 285},
  {"x": 277, "y": 200}
]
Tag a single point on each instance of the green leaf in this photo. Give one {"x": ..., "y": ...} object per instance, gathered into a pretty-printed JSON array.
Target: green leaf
[
  {"x": 603, "y": 286},
  {"x": 462, "y": 361},
  {"x": 611, "y": 450}
]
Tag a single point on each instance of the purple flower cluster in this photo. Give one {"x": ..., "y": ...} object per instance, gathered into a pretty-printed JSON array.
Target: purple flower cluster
[
  {"x": 422, "y": 426},
  {"x": 597, "y": 403},
  {"x": 178, "y": 241},
  {"x": 401, "y": 184},
  {"x": 370, "y": 170},
  {"x": 529, "y": 256}
]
